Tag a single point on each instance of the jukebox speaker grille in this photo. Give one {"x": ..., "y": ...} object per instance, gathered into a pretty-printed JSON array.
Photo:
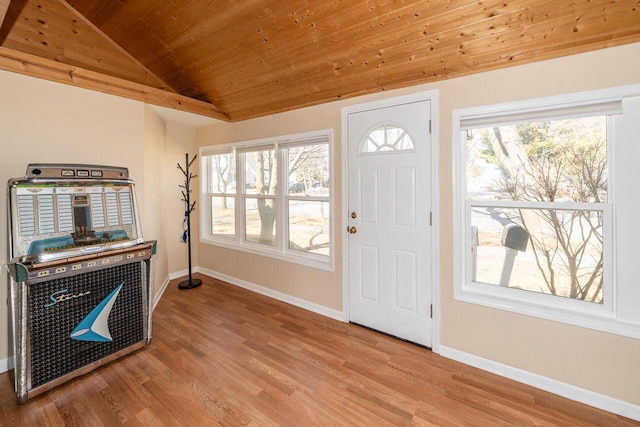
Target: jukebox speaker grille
[{"x": 57, "y": 308}]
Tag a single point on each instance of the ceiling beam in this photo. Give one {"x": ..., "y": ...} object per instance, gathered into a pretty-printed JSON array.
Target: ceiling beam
[
  {"x": 18, "y": 62},
  {"x": 4, "y": 6}
]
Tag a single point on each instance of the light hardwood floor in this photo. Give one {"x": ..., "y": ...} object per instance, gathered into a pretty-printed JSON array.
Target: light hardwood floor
[{"x": 221, "y": 355}]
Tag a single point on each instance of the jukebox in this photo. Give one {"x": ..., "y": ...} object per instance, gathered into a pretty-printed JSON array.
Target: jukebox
[{"x": 80, "y": 273}]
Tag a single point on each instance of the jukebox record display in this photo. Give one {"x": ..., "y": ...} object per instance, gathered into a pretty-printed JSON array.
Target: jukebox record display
[
  {"x": 60, "y": 216},
  {"x": 80, "y": 273}
]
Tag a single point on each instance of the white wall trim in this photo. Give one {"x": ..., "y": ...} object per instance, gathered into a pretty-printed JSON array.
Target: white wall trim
[
  {"x": 568, "y": 391},
  {"x": 298, "y": 302}
]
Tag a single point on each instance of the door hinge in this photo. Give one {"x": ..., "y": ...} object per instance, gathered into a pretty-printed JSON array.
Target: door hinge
[
  {"x": 431, "y": 311},
  {"x": 429, "y": 125},
  {"x": 430, "y": 218}
]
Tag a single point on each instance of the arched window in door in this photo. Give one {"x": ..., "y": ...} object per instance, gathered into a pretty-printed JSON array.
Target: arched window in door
[{"x": 386, "y": 137}]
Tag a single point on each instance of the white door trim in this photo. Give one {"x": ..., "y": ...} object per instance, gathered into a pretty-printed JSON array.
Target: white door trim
[{"x": 435, "y": 197}]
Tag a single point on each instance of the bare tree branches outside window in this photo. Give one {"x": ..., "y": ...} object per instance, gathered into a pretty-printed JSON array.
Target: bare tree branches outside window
[{"x": 558, "y": 171}]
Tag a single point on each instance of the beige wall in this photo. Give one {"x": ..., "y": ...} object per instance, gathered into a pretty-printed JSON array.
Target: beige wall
[
  {"x": 180, "y": 141},
  {"x": 592, "y": 360},
  {"x": 52, "y": 123},
  {"x": 47, "y": 122},
  {"x": 152, "y": 198},
  {"x": 604, "y": 363}
]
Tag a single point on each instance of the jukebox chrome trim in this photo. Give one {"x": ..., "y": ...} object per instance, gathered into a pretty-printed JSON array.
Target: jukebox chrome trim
[{"x": 18, "y": 330}]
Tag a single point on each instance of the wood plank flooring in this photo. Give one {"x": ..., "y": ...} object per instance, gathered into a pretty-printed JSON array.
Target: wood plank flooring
[{"x": 222, "y": 355}]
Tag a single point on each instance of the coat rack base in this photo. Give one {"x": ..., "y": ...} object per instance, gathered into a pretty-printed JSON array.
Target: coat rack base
[{"x": 190, "y": 284}]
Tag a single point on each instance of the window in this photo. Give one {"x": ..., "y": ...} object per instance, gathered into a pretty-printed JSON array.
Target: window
[
  {"x": 221, "y": 188},
  {"x": 271, "y": 197},
  {"x": 307, "y": 199},
  {"x": 259, "y": 195},
  {"x": 537, "y": 196},
  {"x": 388, "y": 137}
]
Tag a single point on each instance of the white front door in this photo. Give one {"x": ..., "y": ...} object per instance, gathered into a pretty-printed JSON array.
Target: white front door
[{"x": 388, "y": 224}]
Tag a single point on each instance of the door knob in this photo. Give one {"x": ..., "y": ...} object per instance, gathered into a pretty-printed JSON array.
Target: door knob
[
  {"x": 352, "y": 230},
  {"x": 354, "y": 215}
]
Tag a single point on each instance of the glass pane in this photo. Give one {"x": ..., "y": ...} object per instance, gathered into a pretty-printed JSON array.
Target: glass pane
[
  {"x": 309, "y": 226},
  {"x": 562, "y": 160},
  {"x": 223, "y": 173},
  {"x": 223, "y": 216},
  {"x": 557, "y": 252},
  {"x": 309, "y": 170},
  {"x": 261, "y": 174},
  {"x": 387, "y": 137},
  {"x": 260, "y": 224}
]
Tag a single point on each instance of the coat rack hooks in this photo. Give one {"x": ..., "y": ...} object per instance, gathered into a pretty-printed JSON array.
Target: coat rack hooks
[{"x": 189, "y": 206}]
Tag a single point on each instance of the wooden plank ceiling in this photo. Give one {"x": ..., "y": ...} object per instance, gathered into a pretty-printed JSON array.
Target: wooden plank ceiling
[{"x": 243, "y": 59}]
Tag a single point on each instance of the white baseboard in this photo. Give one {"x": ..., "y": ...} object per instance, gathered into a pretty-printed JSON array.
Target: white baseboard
[
  {"x": 160, "y": 291},
  {"x": 6, "y": 364},
  {"x": 569, "y": 391},
  {"x": 182, "y": 273},
  {"x": 298, "y": 302}
]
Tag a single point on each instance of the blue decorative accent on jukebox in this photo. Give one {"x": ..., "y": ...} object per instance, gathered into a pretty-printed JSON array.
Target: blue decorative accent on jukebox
[
  {"x": 95, "y": 327},
  {"x": 67, "y": 242}
]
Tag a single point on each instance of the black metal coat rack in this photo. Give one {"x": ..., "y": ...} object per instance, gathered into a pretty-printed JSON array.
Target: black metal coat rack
[{"x": 188, "y": 208}]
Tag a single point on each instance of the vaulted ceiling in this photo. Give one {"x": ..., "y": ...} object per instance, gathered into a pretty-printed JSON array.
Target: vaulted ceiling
[{"x": 235, "y": 60}]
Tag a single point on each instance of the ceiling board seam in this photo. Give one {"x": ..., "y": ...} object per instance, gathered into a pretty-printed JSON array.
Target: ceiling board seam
[{"x": 114, "y": 44}]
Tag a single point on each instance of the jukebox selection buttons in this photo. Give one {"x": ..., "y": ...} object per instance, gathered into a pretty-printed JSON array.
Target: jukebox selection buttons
[{"x": 78, "y": 265}]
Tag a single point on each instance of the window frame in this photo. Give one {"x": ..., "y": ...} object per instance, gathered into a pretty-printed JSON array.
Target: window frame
[
  {"x": 280, "y": 250},
  {"x": 617, "y": 314}
]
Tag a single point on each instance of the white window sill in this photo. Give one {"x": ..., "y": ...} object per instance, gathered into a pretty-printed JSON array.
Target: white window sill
[
  {"x": 597, "y": 319},
  {"x": 308, "y": 260}
]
